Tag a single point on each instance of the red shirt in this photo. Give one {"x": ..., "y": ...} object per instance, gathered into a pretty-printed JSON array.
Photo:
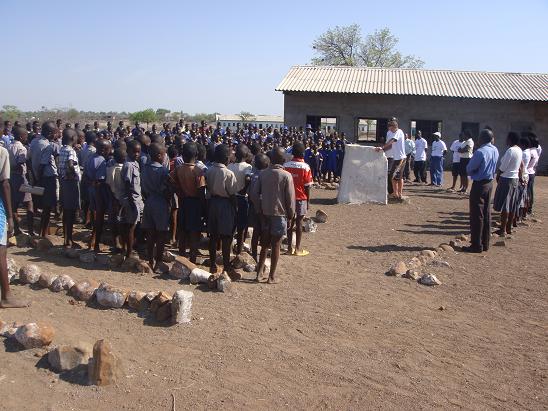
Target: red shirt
[{"x": 302, "y": 176}]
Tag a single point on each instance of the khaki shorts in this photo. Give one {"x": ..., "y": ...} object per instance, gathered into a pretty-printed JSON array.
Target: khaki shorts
[{"x": 396, "y": 171}]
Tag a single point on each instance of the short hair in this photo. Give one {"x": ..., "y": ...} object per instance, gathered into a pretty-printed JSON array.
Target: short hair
[
  {"x": 242, "y": 152},
  {"x": 48, "y": 128},
  {"x": 485, "y": 136},
  {"x": 277, "y": 155},
  {"x": 133, "y": 145},
  {"x": 190, "y": 151},
  {"x": 156, "y": 149},
  {"x": 298, "y": 149},
  {"x": 172, "y": 151},
  {"x": 221, "y": 154},
  {"x": 91, "y": 137},
  {"x": 513, "y": 138},
  {"x": 202, "y": 152},
  {"x": 120, "y": 155},
  {"x": 261, "y": 161},
  {"x": 18, "y": 132},
  {"x": 524, "y": 143},
  {"x": 69, "y": 135}
]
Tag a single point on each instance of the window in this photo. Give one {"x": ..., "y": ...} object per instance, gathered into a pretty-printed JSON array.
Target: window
[
  {"x": 371, "y": 130},
  {"x": 472, "y": 127},
  {"x": 426, "y": 127}
]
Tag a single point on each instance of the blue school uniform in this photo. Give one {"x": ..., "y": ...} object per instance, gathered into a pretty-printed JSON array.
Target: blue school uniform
[
  {"x": 331, "y": 160},
  {"x": 156, "y": 213}
]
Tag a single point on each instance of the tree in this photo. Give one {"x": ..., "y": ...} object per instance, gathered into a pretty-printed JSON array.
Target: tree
[
  {"x": 246, "y": 116},
  {"x": 161, "y": 113},
  {"x": 145, "y": 116},
  {"x": 344, "y": 46},
  {"x": 10, "y": 112},
  {"x": 72, "y": 114}
]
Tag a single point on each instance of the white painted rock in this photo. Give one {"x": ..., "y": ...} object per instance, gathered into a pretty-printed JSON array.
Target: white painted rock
[
  {"x": 249, "y": 268},
  {"x": 242, "y": 259},
  {"x": 63, "y": 282},
  {"x": 87, "y": 258},
  {"x": 109, "y": 296},
  {"x": 223, "y": 282},
  {"x": 13, "y": 270},
  {"x": 34, "y": 335},
  {"x": 46, "y": 280},
  {"x": 428, "y": 253},
  {"x": 67, "y": 357},
  {"x": 429, "y": 279},
  {"x": 181, "y": 268},
  {"x": 181, "y": 306},
  {"x": 309, "y": 226},
  {"x": 199, "y": 276},
  {"x": 29, "y": 274}
]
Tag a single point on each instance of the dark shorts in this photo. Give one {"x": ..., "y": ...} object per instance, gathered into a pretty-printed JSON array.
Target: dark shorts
[
  {"x": 242, "y": 212},
  {"x": 190, "y": 215},
  {"x": 463, "y": 164},
  {"x": 221, "y": 216},
  {"x": 17, "y": 197},
  {"x": 49, "y": 199},
  {"x": 130, "y": 212},
  {"x": 99, "y": 197},
  {"x": 272, "y": 226},
  {"x": 253, "y": 219},
  {"x": 70, "y": 194},
  {"x": 156, "y": 214},
  {"x": 301, "y": 208},
  {"x": 396, "y": 169},
  {"x": 455, "y": 169}
]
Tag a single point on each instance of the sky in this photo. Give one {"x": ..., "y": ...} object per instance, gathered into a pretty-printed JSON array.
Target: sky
[{"x": 229, "y": 56}]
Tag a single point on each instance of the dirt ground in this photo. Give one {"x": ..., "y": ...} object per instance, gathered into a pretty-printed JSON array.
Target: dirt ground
[{"x": 337, "y": 333}]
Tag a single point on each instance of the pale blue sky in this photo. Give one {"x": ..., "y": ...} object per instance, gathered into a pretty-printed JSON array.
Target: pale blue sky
[{"x": 228, "y": 56}]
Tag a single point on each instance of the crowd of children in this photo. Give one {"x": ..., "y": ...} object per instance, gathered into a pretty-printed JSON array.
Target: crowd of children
[{"x": 151, "y": 188}]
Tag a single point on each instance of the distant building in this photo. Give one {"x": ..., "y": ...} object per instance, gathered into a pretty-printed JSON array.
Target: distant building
[
  {"x": 360, "y": 101},
  {"x": 231, "y": 121}
]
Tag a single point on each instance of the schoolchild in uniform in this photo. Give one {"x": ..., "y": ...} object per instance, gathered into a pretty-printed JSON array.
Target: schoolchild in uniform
[{"x": 69, "y": 179}]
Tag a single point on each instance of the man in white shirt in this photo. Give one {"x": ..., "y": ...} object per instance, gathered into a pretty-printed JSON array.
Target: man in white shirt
[
  {"x": 395, "y": 142},
  {"x": 455, "y": 169},
  {"x": 421, "y": 147},
  {"x": 409, "y": 152},
  {"x": 466, "y": 150},
  {"x": 436, "y": 160}
]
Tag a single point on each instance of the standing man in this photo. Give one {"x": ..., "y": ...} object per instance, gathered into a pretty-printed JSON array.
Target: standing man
[
  {"x": 481, "y": 169},
  {"x": 466, "y": 150},
  {"x": 395, "y": 143},
  {"x": 455, "y": 169},
  {"x": 436, "y": 160},
  {"x": 409, "y": 153},
  {"x": 419, "y": 166}
]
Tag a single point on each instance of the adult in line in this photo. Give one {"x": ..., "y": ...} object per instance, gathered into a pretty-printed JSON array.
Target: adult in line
[
  {"x": 481, "y": 169},
  {"x": 409, "y": 153},
  {"x": 6, "y": 231},
  {"x": 465, "y": 151},
  {"x": 419, "y": 167},
  {"x": 455, "y": 167},
  {"x": 535, "y": 151},
  {"x": 439, "y": 149},
  {"x": 395, "y": 143}
]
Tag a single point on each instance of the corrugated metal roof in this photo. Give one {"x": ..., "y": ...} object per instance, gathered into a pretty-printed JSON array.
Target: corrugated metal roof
[{"x": 440, "y": 83}]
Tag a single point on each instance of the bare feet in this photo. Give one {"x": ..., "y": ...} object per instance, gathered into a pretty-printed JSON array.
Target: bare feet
[
  {"x": 12, "y": 302},
  {"x": 272, "y": 280}
]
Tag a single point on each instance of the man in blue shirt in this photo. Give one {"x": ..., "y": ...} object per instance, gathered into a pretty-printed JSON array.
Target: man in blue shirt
[{"x": 481, "y": 169}]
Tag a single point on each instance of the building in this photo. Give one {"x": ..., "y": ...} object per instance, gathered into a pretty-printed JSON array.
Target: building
[
  {"x": 360, "y": 100},
  {"x": 231, "y": 121}
]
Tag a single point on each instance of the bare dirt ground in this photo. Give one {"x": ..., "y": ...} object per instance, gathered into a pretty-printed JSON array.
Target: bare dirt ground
[{"x": 336, "y": 333}]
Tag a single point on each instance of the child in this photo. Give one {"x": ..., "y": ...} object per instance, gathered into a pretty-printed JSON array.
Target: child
[
  {"x": 69, "y": 179},
  {"x": 302, "y": 180},
  {"x": 131, "y": 201},
  {"x": 85, "y": 154},
  {"x": 18, "y": 164},
  {"x": 189, "y": 181},
  {"x": 242, "y": 171},
  {"x": 116, "y": 185},
  {"x": 277, "y": 206},
  {"x": 175, "y": 160},
  {"x": 221, "y": 185},
  {"x": 261, "y": 162},
  {"x": 157, "y": 206}
]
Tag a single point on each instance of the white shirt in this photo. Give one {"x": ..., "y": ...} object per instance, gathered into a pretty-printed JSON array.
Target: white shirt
[
  {"x": 240, "y": 170},
  {"x": 532, "y": 166},
  {"x": 469, "y": 144},
  {"x": 420, "y": 149},
  {"x": 438, "y": 147},
  {"x": 455, "y": 149},
  {"x": 510, "y": 162},
  {"x": 398, "y": 147}
]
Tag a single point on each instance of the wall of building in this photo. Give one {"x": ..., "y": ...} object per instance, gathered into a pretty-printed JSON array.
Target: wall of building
[{"x": 503, "y": 116}]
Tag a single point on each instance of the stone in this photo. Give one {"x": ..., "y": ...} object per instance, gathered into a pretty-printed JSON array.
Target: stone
[
  {"x": 73, "y": 253},
  {"x": 63, "y": 282},
  {"x": 168, "y": 257},
  {"x": 500, "y": 243},
  {"x": 110, "y": 296},
  {"x": 439, "y": 263},
  {"x": 87, "y": 258},
  {"x": 161, "y": 299},
  {"x": 13, "y": 269},
  {"x": 199, "y": 276},
  {"x": 462, "y": 237},
  {"x": 143, "y": 268},
  {"x": 412, "y": 274},
  {"x": 163, "y": 313},
  {"x": 34, "y": 335},
  {"x": 67, "y": 357},
  {"x": 398, "y": 269},
  {"x": 181, "y": 268},
  {"x": 536, "y": 220},
  {"x": 309, "y": 226},
  {"x": 116, "y": 260},
  {"x": 446, "y": 247},
  {"x": 104, "y": 367},
  {"x": 22, "y": 240},
  {"x": 429, "y": 279},
  {"x": 46, "y": 280},
  {"x": 41, "y": 243},
  {"x": 454, "y": 244},
  {"x": 84, "y": 290},
  {"x": 224, "y": 282},
  {"x": 181, "y": 307},
  {"x": 321, "y": 216},
  {"x": 442, "y": 308},
  {"x": 414, "y": 262},
  {"x": 4, "y": 327},
  {"x": 131, "y": 263},
  {"x": 428, "y": 253},
  {"x": 135, "y": 299},
  {"x": 363, "y": 176},
  {"x": 249, "y": 268},
  {"x": 241, "y": 260},
  {"x": 29, "y": 274},
  {"x": 103, "y": 259}
]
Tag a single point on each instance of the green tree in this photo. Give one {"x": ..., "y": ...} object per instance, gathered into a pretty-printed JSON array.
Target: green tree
[
  {"x": 246, "y": 116},
  {"x": 161, "y": 113},
  {"x": 344, "y": 46},
  {"x": 72, "y": 114},
  {"x": 145, "y": 116},
  {"x": 10, "y": 112}
]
